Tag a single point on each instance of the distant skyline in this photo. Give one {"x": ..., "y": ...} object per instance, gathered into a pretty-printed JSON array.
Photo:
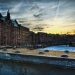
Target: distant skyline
[{"x": 50, "y": 16}]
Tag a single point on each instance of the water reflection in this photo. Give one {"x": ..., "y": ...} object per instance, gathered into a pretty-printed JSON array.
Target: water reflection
[{"x": 59, "y": 48}]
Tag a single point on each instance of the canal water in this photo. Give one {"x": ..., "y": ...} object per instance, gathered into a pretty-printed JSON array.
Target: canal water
[{"x": 59, "y": 48}]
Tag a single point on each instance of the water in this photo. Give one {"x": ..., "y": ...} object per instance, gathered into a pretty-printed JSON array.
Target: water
[{"x": 59, "y": 48}]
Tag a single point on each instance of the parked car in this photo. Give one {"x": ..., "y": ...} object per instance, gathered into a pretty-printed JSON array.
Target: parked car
[{"x": 64, "y": 55}]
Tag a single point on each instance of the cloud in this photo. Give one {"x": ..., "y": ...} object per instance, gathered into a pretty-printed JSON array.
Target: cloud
[
  {"x": 27, "y": 24},
  {"x": 38, "y": 15},
  {"x": 6, "y": 1},
  {"x": 37, "y": 28},
  {"x": 69, "y": 25},
  {"x": 41, "y": 14},
  {"x": 34, "y": 6},
  {"x": 57, "y": 9},
  {"x": 16, "y": 10}
]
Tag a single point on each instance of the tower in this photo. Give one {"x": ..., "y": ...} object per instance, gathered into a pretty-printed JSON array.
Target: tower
[
  {"x": 0, "y": 15},
  {"x": 8, "y": 15}
]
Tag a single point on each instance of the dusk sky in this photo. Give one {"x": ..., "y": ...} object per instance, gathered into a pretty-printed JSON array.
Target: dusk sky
[{"x": 50, "y": 16}]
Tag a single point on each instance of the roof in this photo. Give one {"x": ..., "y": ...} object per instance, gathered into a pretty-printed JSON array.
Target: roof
[
  {"x": 3, "y": 18},
  {"x": 14, "y": 23}
]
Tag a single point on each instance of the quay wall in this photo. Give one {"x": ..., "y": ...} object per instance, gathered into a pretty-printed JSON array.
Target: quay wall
[{"x": 19, "y": 64}]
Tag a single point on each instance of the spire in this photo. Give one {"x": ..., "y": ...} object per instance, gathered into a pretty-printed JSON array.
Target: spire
[
  {"x": 8, "y": 15},
  {"x": 0, "y": 15},
  {"x": 8, "y": 11}
]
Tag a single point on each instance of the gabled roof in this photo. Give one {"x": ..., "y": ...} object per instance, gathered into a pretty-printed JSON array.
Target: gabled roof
[{"x": 14, "y": 22}]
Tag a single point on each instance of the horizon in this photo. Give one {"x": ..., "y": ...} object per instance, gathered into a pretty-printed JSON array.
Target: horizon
[{"x": 49, "y": 16}]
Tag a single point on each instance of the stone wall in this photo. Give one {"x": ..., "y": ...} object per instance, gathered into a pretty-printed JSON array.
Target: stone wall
[{"x": 17, "y": 64}]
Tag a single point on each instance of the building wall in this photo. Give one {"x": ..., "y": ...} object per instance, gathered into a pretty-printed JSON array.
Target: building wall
[{"x": 24, "y": 36}]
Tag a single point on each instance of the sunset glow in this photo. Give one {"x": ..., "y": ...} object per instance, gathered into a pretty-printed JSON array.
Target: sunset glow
[{"x": 51, "y": 16}]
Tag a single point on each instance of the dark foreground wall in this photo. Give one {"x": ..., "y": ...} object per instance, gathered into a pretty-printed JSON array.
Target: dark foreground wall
[
  {"x": 18, "y": 64},
  {"x": 21, "y": 68}
]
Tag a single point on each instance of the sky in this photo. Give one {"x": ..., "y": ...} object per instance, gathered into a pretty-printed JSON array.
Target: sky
[{"x": 50, "y": 16}]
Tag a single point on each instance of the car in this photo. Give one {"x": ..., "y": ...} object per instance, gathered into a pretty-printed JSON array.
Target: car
[
  {"x": 64, "y": 55},
  {"x": 46, "y": 51},
  {"x": 41, "y": 52},
  {"x": 14, "y": 47},
  {"x": 31, "y": 48},
  {"x": 17, "y": 51},
  {"x": 4, "y": 49},
  {"x": 66, "y": 51}
]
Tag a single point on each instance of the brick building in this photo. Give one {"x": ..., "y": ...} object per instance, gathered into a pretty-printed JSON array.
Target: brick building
[{"x": 12, "y": 33}]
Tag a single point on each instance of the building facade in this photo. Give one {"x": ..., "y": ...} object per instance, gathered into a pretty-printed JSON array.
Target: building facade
[{"x": 12, "y": 33}]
